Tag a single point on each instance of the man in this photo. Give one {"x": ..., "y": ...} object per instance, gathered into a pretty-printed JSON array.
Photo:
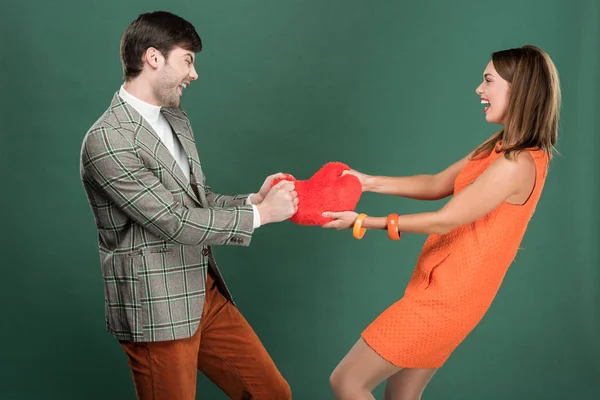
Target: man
[{"x": 165, "y": 299}]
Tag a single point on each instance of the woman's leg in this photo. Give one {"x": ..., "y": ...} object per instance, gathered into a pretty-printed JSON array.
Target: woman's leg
[
  {"x": 408, "y": 383},
  {"x": 359, "y": 373}
]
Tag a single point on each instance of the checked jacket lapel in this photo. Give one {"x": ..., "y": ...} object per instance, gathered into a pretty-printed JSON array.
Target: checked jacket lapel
[
  {"x": 180, "y": 125},
  {"x": 148, "y": 139}
]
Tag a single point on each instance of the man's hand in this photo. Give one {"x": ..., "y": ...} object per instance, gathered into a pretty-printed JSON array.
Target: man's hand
[
  {"x": 258, "y": 198},
  {"x": 279, "y": 204}
]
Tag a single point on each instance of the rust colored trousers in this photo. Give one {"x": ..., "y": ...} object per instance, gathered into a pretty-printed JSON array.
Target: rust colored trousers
[{"x": 224, "y": 348}]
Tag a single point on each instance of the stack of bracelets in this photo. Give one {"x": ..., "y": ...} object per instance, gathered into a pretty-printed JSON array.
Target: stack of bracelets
[{"x": 392, "y": 227}]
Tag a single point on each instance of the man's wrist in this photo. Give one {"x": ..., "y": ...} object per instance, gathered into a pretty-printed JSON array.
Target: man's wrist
[
  {"x": 254, "y": 199},
  {"x": 256, "y": 223},
  {"x": 262, "y": 212}
]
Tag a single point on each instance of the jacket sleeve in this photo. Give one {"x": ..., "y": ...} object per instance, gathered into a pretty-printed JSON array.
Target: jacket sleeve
[
  {"x": 111, "y": 163},
  {"x": 221, "y": 200}
]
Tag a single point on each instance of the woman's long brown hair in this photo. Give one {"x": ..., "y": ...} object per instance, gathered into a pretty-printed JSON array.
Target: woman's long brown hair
[{"x": 534, "y": 101}]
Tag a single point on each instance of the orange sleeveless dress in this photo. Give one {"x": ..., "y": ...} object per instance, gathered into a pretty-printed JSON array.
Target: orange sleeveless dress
[{"x": 456, "y": 278}]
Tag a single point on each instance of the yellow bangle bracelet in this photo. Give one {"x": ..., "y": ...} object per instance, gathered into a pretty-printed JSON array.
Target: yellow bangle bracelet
[{"x": 358, "y": 231}]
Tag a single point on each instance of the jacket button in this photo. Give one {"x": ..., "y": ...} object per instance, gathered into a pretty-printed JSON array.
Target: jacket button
[{"x": 205, "y": 252}]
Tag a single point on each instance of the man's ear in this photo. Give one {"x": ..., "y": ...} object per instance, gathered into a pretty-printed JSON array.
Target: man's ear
[{"x": 152, "y": 57}]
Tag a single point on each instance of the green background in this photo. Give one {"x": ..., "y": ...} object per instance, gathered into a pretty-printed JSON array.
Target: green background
[{"x": 387, "y": 87}]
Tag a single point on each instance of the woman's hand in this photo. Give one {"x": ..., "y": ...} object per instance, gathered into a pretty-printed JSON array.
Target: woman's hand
[
  {"x": 363, "y": 178},
  {"x": 343, "y": 219}
]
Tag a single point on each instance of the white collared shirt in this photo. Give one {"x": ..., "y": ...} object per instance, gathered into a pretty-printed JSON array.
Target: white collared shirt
[
  {"x": 159, "y": 123},
  {"x": 161, "y": 126}
]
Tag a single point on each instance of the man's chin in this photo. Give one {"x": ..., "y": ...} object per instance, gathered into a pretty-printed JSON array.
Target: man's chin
[{"x": 172, "y": 104}]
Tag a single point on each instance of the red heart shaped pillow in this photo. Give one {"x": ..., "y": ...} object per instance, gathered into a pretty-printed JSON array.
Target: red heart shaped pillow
[{"x": 326, "y": 190}]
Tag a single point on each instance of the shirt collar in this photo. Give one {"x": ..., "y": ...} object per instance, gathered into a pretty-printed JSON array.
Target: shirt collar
[{"x": 148, "y": 111}]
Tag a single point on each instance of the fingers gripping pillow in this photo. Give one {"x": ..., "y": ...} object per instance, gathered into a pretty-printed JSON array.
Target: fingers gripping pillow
[{"x": 326, "y": 190}]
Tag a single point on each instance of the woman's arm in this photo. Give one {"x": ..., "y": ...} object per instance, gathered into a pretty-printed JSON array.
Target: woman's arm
[
  {"x": 419, "y": 187},
  {"x": 503, "y": 180}
]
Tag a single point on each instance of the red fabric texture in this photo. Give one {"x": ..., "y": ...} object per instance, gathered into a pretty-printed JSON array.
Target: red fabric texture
[{"x": 326, "y": 190}]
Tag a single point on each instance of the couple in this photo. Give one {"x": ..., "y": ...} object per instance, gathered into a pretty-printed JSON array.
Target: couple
[{"x": 165, "y": 299}]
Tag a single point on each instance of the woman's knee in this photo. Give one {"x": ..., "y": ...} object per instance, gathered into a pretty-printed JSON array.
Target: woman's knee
[{"x": 343, "y": 387}]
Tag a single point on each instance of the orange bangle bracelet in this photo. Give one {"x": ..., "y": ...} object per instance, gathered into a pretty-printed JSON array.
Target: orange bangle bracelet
[
  {"x": 358, "y": 231},
  {"x": 392, "y": 227}
]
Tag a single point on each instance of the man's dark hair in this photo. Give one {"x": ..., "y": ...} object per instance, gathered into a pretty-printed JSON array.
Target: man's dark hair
[{"x": 159, "y": 29}]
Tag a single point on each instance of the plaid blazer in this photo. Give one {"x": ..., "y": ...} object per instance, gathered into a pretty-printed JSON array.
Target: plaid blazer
[{"x": 155, "y": 229}]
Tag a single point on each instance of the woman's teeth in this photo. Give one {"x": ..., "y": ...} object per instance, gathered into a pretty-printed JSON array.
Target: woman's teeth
[{"x": 485, "y": 110}]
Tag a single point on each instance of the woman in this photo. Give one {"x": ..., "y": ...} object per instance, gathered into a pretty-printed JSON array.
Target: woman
[{"x": 472, "y": 240}]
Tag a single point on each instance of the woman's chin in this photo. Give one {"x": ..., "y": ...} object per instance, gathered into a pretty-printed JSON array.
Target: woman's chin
[{"x": 492, "y": 120}]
